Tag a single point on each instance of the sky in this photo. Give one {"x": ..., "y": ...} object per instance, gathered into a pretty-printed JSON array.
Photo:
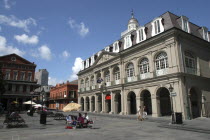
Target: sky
[{"x": 58, "y": 34}]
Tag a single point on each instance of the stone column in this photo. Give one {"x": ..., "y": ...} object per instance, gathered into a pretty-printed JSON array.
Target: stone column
[
  {"x": 122, "y": 103},
  {"x": 135, "y": 63},
  {"x": 111, "y": 74},
  {"x": 90, "y": 104},
  {"x": 79, "y": 102},
  {"x": 151, "y": 64},
  {"x": 138, "y": 103},
  {"x": 112, "y": 104},
  {"x": 96, "y": 104},
  {"x": 122, "y": 72},
  {"x": 155, "y": 106},
  {"x": 103, "y": 102},
  {"x": 203, "y": 111},
  {"x": 85, "y": 104}
]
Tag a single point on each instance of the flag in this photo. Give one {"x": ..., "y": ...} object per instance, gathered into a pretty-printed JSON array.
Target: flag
[{"x": 99, "y": 80}]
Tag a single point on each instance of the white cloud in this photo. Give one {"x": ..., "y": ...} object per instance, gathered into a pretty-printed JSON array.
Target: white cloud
[
  {"x": 5, "y": 49},
  {"x": 76, "y": 68},
  {"x": 6, "y": 4},
  {"x": 15, "y": 22},
  {"x": 25, "y": 39},
  {"x": 45, "y": 52},
  {"x": 81, "y": 28},
  {"x": 65, "y": 54},
  {"x": 53, "y": 81}
]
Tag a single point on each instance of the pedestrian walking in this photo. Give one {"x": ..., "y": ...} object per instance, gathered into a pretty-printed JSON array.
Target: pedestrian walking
[
  {"x": 140, "y": 113},
  {"x": 144, "y": 112}
]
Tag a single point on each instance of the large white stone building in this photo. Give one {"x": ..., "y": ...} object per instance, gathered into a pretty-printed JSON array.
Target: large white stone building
[{"x": 169, "y": 52}]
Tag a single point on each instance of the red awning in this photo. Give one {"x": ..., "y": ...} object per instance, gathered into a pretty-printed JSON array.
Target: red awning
[{"x": 108, "y": 97}]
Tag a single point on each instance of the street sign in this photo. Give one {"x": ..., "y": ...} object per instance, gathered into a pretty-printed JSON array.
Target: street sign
[{"x": 173, "y": 94}]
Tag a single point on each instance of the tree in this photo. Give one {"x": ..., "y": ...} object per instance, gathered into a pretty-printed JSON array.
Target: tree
[{"x": 2, "y": 82}]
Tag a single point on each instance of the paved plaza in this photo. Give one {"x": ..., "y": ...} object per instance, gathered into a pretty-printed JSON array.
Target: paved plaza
[{"x": 111, "y": 128}]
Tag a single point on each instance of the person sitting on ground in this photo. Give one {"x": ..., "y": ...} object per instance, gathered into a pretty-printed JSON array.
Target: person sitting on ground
[
  {"x": 80, "y": 119},
  {"x": 68, "y": 119},
  {"x": 86, "y": 116}
]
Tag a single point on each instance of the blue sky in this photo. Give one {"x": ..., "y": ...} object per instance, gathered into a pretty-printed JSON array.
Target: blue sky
[{"x": 58, "y": 34}]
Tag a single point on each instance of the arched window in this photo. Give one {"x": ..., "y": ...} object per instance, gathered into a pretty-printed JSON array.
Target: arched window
[
  {"x": 190, "y": 60},
  {"x": 98, "y": 78},
  {"x": 144, "y": 66},
  {"x": 161, "y": 61},
  {"x": 130, "y": 70},
  {"x": 92, "y": 81},
  {"x": 107, "y": 76},
  {"x": 117, "y": 73},
  {"x": 87, "y": 83},
  {"x": 82, "y": 83}
]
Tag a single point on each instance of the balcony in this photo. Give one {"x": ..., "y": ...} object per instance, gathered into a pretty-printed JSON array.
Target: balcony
[
  {"x": 116, "y": 82},
  {"x": 130, "y": 79},
  {"x": 87, "y": 88},
  {"x": 191, "y": 70},
  {"x": 82, "y": 89},
  {"x": 108, "y": 84},
  {"x": 161, "y": 72},
  {"x": 144, "y": 76},
  {"x": 93, "y": 87}
]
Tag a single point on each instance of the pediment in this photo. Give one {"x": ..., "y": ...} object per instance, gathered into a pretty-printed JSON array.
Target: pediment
[
  {"x": 14, "y": 58},
  {"x": 105, "y": 56}
]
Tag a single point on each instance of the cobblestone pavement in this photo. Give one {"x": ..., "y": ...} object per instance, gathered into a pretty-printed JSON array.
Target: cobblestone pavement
[{"x": 104, "y": 128}]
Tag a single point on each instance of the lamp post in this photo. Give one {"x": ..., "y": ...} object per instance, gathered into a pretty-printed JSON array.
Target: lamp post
[
  {"x": 43, "y": 115},
  {"x": 42, "y": 93},
  {"x": 172, "y": 109}
]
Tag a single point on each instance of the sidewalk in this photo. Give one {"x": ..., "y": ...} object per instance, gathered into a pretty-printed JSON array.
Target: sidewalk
[{"x": 201, "y": 125}]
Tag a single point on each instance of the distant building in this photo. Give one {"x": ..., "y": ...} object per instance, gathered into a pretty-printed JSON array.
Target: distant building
[
  {"x": 42, "y": 77},
  {"x": 20, "y": 83},
  {"x": 62, "y": 94},
  {"x": 45, "y": 96}
]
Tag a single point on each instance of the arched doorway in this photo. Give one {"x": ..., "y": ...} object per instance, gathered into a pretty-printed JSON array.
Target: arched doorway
[
  {"x": 82, "y": 104},
  {"x": 117, "y": 101},
  {"x": 131, "y": 99},
  {"x": 108, "y": 103},
  {"x": 195, "y": 101},
  {"x": 146, "y": 99},
  {"x": 93, "y": 103},
  {"x": 87, "y": 104},
  {"x": 165, "y": 102},
  {"x": 99, "y": 103}
]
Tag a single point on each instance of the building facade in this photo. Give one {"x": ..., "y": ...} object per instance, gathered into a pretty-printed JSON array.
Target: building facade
[
  {"x": 62, "y": 94},
  {"x": 42, "y": 77},
  {"x": 163, "y": 65},
  {"x": 20, "y": 83}
]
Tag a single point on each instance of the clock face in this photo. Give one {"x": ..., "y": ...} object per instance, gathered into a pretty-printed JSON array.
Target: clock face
[{"x": 13, "y": 58}]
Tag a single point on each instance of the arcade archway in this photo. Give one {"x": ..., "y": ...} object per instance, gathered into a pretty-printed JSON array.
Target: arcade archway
[{"x": 131, "y": 100}]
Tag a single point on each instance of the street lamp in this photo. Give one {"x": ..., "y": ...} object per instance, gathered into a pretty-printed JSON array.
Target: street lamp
[
  {"x": 172, "y": 109},
  {"x": 42, "y": 93},
  {"x": 43, "y": 114}
]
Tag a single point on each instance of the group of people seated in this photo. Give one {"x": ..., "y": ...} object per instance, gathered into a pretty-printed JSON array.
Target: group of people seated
[{"x": 80, "y": 121}]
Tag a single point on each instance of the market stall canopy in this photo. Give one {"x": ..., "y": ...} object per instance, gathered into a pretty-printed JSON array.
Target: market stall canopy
[
  {"x": 39, "y": 105},
  {"x": 29, "y": 103},
  {"x": 71, "y": 107},
  {"x": 14, "y": 102}
]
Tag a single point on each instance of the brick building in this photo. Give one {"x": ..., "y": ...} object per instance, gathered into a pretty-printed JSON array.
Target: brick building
[
  {"x": 19, "y": 76},
  {"x": 62, "y": 94}
]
